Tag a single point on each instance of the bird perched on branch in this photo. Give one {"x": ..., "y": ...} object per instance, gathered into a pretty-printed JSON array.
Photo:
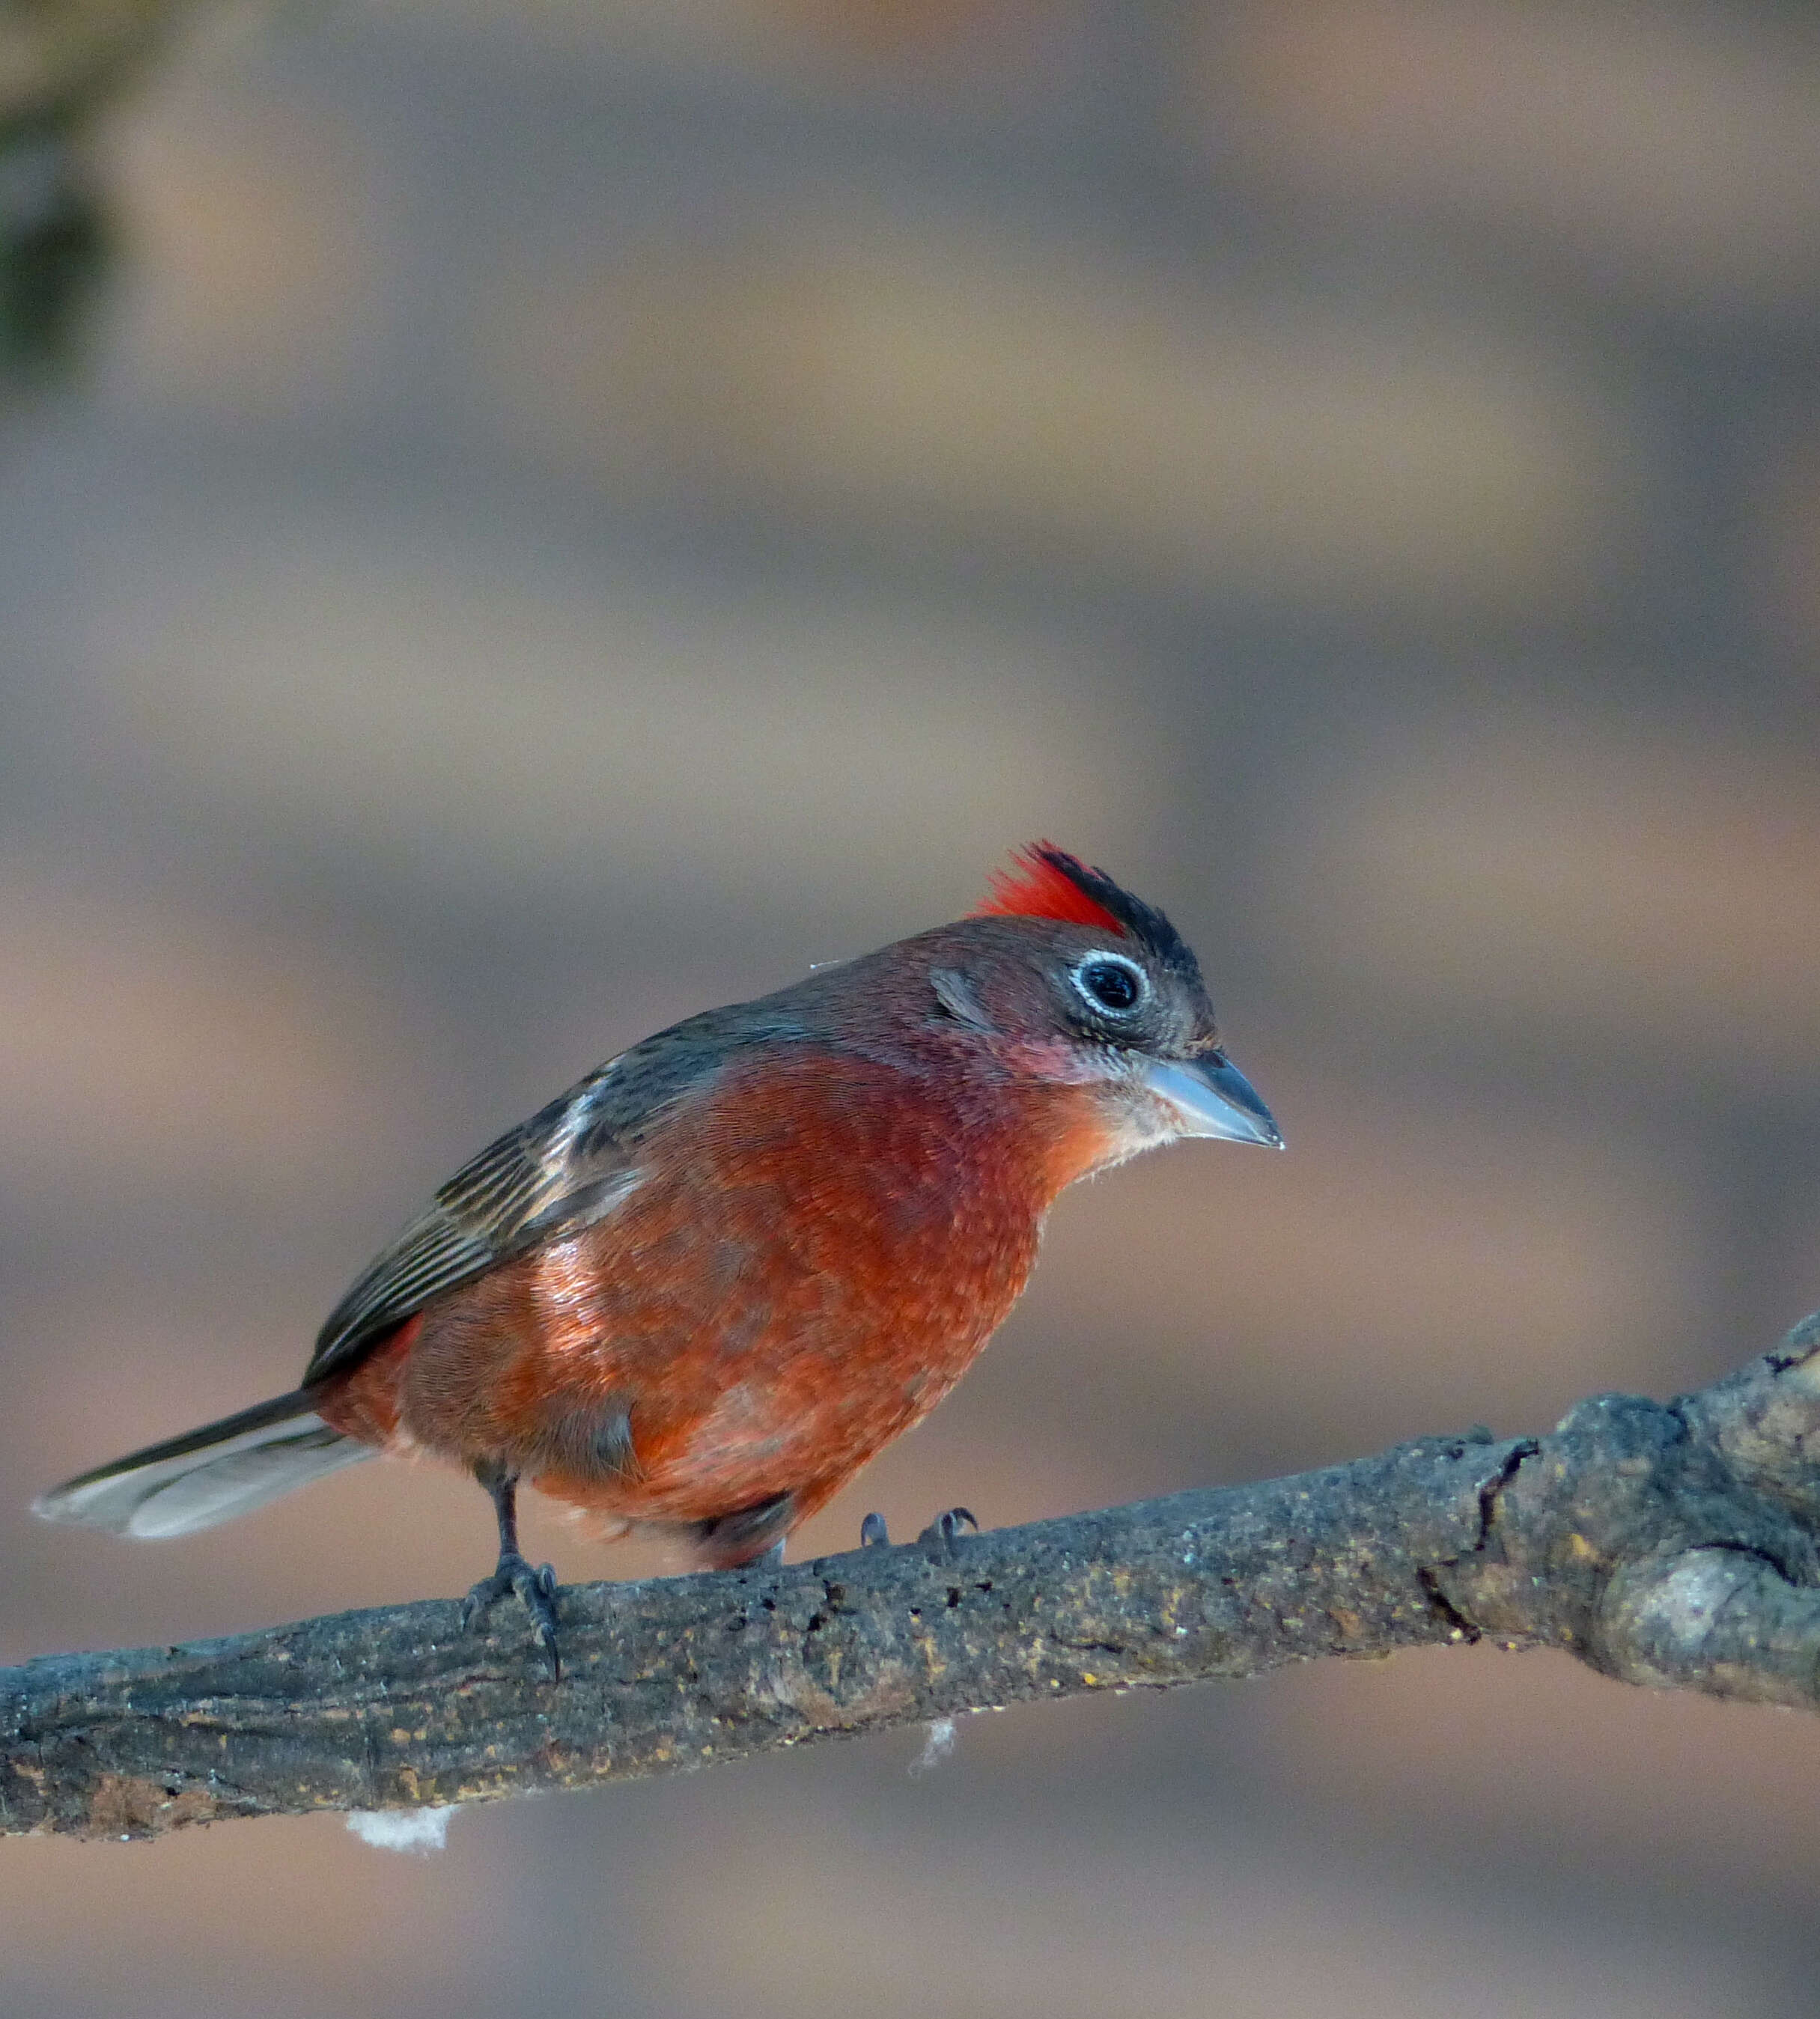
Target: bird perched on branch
[{"x": 697, "y": 1291}]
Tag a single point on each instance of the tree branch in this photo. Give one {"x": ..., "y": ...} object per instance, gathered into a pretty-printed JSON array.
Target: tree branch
[{"x": 1674, "y": 1545}]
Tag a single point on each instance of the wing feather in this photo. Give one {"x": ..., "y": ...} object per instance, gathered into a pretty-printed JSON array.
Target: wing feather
[
  {"x": 566, "y": 1168},
  {"x": 555, "y": 1173}
]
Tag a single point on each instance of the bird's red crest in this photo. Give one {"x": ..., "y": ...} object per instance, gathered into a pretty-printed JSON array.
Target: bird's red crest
[{"x": 1046, "y": 882}]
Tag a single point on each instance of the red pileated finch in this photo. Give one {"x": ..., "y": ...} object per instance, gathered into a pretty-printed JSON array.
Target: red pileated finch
[{"x": 699, "y": 1290}]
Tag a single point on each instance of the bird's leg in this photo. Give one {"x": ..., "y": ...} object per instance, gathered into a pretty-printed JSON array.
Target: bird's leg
[{"x": 535, "y": 1589}]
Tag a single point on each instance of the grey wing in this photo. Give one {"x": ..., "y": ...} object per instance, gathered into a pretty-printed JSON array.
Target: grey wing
[{"x": 564, "y": 1169}]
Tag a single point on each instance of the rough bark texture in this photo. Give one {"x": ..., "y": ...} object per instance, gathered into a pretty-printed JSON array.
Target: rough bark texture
[{"x": 1673, "y": 1545}]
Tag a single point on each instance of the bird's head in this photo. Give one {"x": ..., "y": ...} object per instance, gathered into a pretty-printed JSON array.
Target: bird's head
[{"x": 1067, "y": 981}]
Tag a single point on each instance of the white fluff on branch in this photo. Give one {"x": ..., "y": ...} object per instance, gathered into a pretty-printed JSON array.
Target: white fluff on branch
[{"x": 422, "y": 1830}]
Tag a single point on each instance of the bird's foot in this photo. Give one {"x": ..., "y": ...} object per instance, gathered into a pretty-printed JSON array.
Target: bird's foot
[
  {"x": 939, "y": 1537},
  {"x": 535, "y": 1589}
]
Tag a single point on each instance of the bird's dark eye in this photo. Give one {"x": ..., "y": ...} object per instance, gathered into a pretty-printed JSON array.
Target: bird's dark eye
[{"x": 1110, "y": 983}]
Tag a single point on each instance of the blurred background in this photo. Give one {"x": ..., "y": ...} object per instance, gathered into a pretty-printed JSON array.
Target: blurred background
[{"x": 518, "y": 522}]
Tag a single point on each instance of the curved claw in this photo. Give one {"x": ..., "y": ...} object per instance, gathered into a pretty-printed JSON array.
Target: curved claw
[
  {"x": 945, "y": 1531},
  {"x": 535, "y": 1589},
  {"x": 873, "y": 1533}
]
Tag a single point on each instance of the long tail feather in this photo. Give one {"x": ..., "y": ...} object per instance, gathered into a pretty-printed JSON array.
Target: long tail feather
[{"x": 208, "y": 1475}]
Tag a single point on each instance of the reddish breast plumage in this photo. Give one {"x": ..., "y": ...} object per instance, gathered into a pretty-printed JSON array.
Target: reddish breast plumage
[{"x": 812, "y": 1256}]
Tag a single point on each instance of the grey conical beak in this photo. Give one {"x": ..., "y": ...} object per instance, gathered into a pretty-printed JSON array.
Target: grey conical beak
[{"x": 1210, "y": 1100}]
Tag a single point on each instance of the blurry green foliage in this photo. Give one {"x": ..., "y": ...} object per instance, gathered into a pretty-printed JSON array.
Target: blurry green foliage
[
  {"x": 55, "y": 245},
  {"x": 61, "y": 64}
]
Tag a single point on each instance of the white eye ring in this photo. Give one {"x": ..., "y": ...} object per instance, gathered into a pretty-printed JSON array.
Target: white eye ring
[{"x": 1100, "y": 958}]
